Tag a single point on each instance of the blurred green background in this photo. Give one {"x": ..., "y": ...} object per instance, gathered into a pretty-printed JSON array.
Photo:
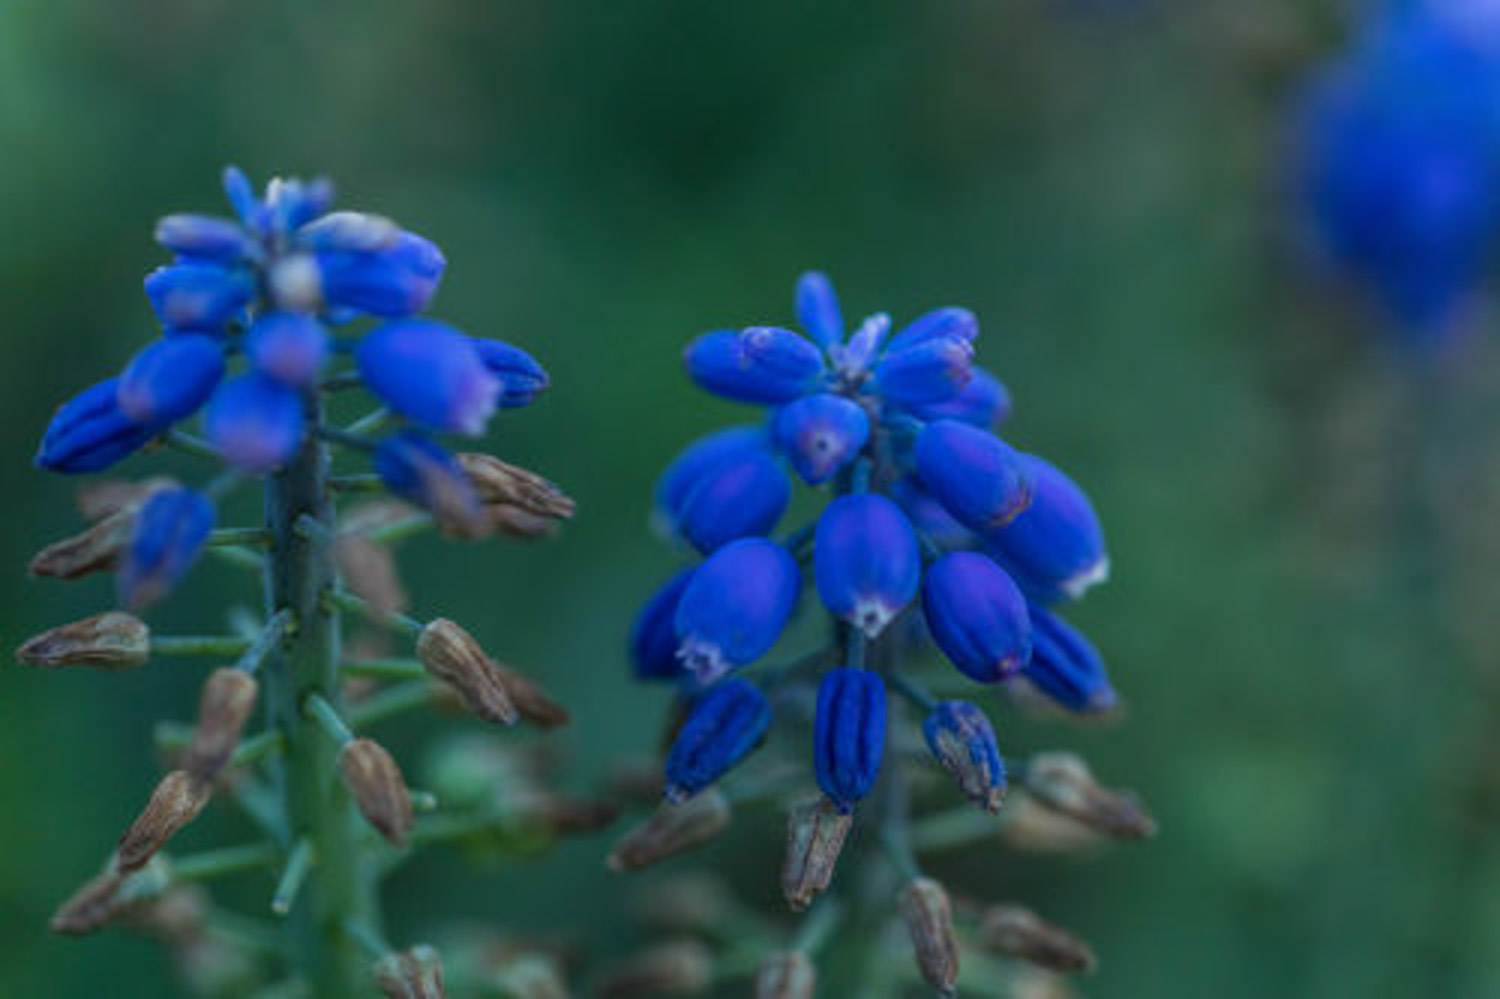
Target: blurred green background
[{"x": 1302, "y": 525}]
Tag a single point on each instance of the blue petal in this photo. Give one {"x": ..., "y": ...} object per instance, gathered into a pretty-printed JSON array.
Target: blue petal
[
  {"x": 1055, "y": 549},
  {"x": 699, "y": 459},
  {"x": 977, "y": 616},
  {"x": 430, "y": 372},
  {"x": 289, "y": 347},
  {"x": 255, "y": 423},
  {"x": 984, "y": 403},
  {"x": 722, "y": 727},
  {"x": 1066, "y": 667},
  {"x": 763, "y": 364},
  {"x": 90, "y": 433},
  {"x": 976, "y": 476},
  {"x": 738, "y": 497},
  {"x": 939, "y": 324},
  {"x": 821, "y": 434},
  {"x": 818, "y": 309},
  {"x": 736, "y": 606},
  {"x": 170, "y": 379},
  {"x": 849, "y": 734},
  {"x": 205, "y": 237},
  {"x": 198, "y": 295},
  {"x": 933, "y": 371},
  {"x": 240, "y": 194},
  {"x": 961, "y": 737},
  {"x": 522, "y": 378},
  {"x": 349, "y": 232},
  {"x": 866, "y": 561},
  {"x": 653, "y": 637},
  {"x": 396, "y": 282},
  {"x": 169, "y": 535}
]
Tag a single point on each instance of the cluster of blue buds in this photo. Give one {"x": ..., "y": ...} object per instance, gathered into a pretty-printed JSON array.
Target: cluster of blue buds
[
  {"x": 937, "y": 528},
  {"x": 260, "y": 315},
  {"x": 1396, "y": 160}
]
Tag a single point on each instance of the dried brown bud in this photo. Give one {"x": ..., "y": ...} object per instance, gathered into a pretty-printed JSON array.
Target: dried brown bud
[
  {"x": 929, "y": 921},
  {"x": 90, "y": 907},
  {"x": 372, "y": 776},
  {"x": 416, "y": 973},
  {"x": 498, "y": 483},
  {"x": 534, "y": 704},
  {"x": 815, "y": 836},
  {"x": 1014, "y": 931},
  {"x": 175, "y": 802},
  {"x": 97, "y": 549},
  {"x": 452, "y": 655},
  {"x": 672, "y": 829},
  {"x": 369, "y": 570},
  {"x": 178, "y": 916},
  {"x": 223, "y": 708},
  {"x": 514, "y": 522},
  {"x": 1062, "y": 782},
  {"x": 1031, "y": 826},
  {"x": 104, "y": 498},
  {"x": 788, "y": 975},
  {"x": 679, "y": 968},
  {"x": 111, "y": 641},
  {"x": 567, "y": 816}
]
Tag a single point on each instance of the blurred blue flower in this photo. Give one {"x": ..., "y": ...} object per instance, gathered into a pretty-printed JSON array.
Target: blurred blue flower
[
  {"x": 423, "y": 472},
  {"x": 522, "y": 378},
  {"x": 289, "y": 347},
  {"x": 431, "y": 373},
  {"x": 653, "y": 636},
  {"x": 255, "y": 423},
  {"x": 724, "y": 724},
  {"x": 199, "y": 296},
  {"x": 171, "y": 379},
  {"x": 169, "y": 535},
  {"x": 89, "y": 432}
]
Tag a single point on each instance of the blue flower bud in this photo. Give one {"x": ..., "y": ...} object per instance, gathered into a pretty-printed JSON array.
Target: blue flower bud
[
  {"x": 170, "y": 379},
  {"x": 939, "y": 324},
  {"x": 289, "y": 347},
  {"x": 977, "y": 616},
  {"x": 423, "y": 472},
  {"x": 736, "y": 606},
  {"x": 741, "y": 495},
  {"x": 349, "y": 232},
  {"x": 821, "y": 434},
  {"x": 255, "y": 423},
  {"x": 849, "y": 734},
  {"x": 698, "y": 460},
  {"x": 763, "y": 364},
  {"x": 975, "y": 475},
  {"x": 169, "y": 535},
  {"x": 962, "y": 739},
  {"x": 198, "y": 295},
  {"x": 722, "y": 727},
  {"x": 653, "y": 637},
  {"x": 294, "y": 203},
  {"x": 240, "y": 194},
  {"x": 1065, "y": 665},
  {"x": 90, "y": 433},
  {"x": 818, "y": 309},
  {"x": 866, "y": 561},
  {"x": 205, "y": 238},
  {"x": 522, "y": 378},
  {"x": 929, "y": 518},
  {"x": 394, "y": 282},
  {"x": 430, "y": 372},
  {"x": 932, "y": 371},
  {"x": 984, "y": 403},
  {"x": 1055, "y": 550}
]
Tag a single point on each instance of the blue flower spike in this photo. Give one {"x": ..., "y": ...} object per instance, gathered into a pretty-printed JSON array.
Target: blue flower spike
[
  {"x": 979, "y": 478},
  {"x": 849, "y": 734},
  {"x": 977, "y": 616},
  {"x": 430, "y": 372},
  {"x": 736, "y": 607},
  {"x": 171, "y": 379},
  {"x": 1055, "y": 550},
  {"x": 1066, "y": 667},
  {"x": 723, "y": 726},
  {"x": 866, "y": 561},
  {"x": 821, "y": 434},
  {"x": 169, "y": 535},
  {"x": 963, "y": 741}
]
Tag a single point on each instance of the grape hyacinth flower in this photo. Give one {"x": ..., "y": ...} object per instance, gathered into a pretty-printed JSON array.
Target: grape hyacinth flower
[
  {"x": 271, "y": 322},
  {"x": 937, "y": 533}
]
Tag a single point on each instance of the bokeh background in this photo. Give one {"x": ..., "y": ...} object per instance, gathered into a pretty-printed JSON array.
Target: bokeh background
[{"x": 1302, "y": 519}]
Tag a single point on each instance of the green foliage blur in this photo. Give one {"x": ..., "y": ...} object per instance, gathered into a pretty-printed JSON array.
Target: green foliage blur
[{"x": 1302, "y": 524}]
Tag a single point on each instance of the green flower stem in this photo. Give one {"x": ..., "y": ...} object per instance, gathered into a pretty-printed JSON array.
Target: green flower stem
[
  {"x": 392, "y": 701},
  {"x": 271, "y": 636},
  {"x": 224, "y": 861},
  {"x": 911, "y": 690},
  {"x": 364, "y": 483},
  {"x": 384, "y": 669},
  {"x": 957, "y": 828},
  {"x": 185, "y": 442},
  {"x": 314, "y": 530},
  {"x": 317, "y": 708},
  {"x": 175, "y": 736},
  {"x": 376, "y": 419},
  {"x": 244, "y": 537},
  {"x": 400, "y": 623},
  {"x": 818, "y": 926},
  {"x": 243, "y": 558},
  {"x": 199, "y": 645},
  {"x": 304, "y": 668},
  {"x": 253, "y": 935},
  {"x": 298, "y": 865},
  {"x": 347, "y": 438},
  {"x": 398, "y": 530}
]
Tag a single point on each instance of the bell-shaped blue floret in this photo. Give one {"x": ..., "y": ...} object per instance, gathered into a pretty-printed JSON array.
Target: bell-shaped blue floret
[
  {"x": 699, "y": 462},
  {"x": 1066, "y": 667},
  {"x": 939, "y": 324},
  {"x": 198, "y": 296},
  {"x": 820, "y": 434},
  {"x": 429, "y": 372},
  {"x": 961, "y": 737},
  {"x": 170, "y": 379},
  {"x": 763, "y": 364},
  {"x": 170, "y": 532},
  {"x": 522, "y": 378},
  {"x": 423, "y": 472},
  {"x": 653, "y": 636},
  {"x": 977, "y": 615},
  {"x": 349, "y": 232},
  {"x": 289, "y": 347},
  {"x": 866, "y": 561},
  {"x": 983, "y": 403},
  {"x": 978, "y": 477},
  {"x": 205, "y": 238},
  {"x": 736, "y": 606},
  {"x": 90, "y": 433},
  {"x": 740, "y": 496},
  {"x": 394, "y": 282},
  {"x": 255, "y": 423},
  {"x": 818, "y": 309},
  {"x": 724, "y": 724},
  {"x": 849, "y": 734},
  {"x": 1055, "y": 549},
  {"x": 932, "y": 371}
]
